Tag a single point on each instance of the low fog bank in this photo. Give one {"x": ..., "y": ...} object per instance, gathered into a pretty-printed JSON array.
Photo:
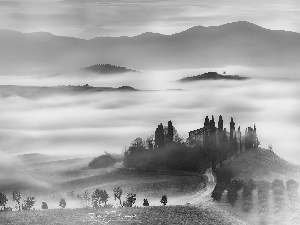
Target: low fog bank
[{"x": 90, "y": 124}]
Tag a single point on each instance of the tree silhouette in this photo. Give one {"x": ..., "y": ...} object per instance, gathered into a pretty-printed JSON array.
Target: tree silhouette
[
  {"x": 62, "y": 203},
  {"x": 164, "y": 200},
  {"x": 130, "y": 199},
  {"x": 96, "y": 196},
  {"x": 44, "y": 205},
  {"x": 278, "y": 189},
  {"x": 247, "y": 195},
  {"x": 3, "y": 200},
  {"x": 145, "y": 203},
  {"x": 104, "y": 196},
  {"x": 263, "y": 188},
  {"x": 28, "y": 203},
  {"x": 17, "y": 198},
  {"x": 118, "y": 194},
  {"x": 86, "y": 198}
]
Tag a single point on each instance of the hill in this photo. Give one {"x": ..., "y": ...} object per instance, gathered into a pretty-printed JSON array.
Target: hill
[
  {"x": 239, "y": 43},
  {"x": 213, "y": 76},
  {"x": 263, "y": 164},
  {"x": 36, "y": 91},
  {"x": 106, "y": 69}
]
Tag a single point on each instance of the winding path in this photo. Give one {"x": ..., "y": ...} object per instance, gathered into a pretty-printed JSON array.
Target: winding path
[{"x": 205, "y": 194}]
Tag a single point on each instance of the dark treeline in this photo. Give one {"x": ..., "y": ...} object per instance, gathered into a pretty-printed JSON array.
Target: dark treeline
[{"x": 207, "y": 147}]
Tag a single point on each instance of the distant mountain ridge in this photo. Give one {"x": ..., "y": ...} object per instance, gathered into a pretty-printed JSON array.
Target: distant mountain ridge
[
  {"x": 213, "y": 76},
  {"x": 239, "y": 43}
]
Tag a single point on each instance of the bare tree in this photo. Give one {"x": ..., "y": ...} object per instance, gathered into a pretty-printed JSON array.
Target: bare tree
[
  {"x": 17, "y": 198},
  {"x": 118, "y": 194}
]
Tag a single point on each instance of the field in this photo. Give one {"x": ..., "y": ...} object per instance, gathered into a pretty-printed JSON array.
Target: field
[
  {"x": 144, "y": 215},
  {"x": 59, "y": 177}
]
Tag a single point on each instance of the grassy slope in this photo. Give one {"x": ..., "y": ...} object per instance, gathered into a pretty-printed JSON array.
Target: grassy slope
[
  {"x": 146, "y": 215},
  {"x": 263, "y": 164},
  {"x": 260, "y": 164}
]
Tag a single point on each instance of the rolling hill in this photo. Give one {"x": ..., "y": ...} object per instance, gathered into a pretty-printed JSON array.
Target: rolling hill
[
  {"x": 238, "y": 43},
  {"x": 212, "y": 76},
  {"x": 36, "y": 91}
]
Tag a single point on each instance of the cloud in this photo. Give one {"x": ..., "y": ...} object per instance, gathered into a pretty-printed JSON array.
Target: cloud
[{"x": 89, "y": 124}]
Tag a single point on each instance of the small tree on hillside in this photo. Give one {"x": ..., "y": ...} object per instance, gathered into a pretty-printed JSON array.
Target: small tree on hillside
[
  {"x": 118, "y": 194},
  {"x": 247, "y": 195},
  {"x": 3, "y": 201},
  {"x": 62, "y": 203},
  {"x": 263, "y": 188},
  {"x": 96, "y": 196},
  {"x": 104, "y": 197},
  {"x": 44, "y": 205},
  {"x": 218, "y": 191},
  {"x": 130, "y": 199},
  {"x": 28, "y": 203},
  {"x": 278, "y": 189},
  {"x": 232, "y": 194},
  {"x": 86, "y": 198},
  {"x": 145, "y": 203},
  {"x": 164, "y": 200},
  {"x": 17, "y": 198}
]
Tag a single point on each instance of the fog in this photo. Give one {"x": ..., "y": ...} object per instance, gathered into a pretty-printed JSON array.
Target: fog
[{"x": 89, "y": 124}]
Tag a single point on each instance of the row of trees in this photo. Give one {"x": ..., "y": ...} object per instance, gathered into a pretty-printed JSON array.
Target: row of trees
[
  {"x": 172, "y": 156},
  {"x": 99, "y": 198},
  {"x": 27, "y": 204},
  {"x": 278, "y": 188},
  {"x": 95, "y": 200}
]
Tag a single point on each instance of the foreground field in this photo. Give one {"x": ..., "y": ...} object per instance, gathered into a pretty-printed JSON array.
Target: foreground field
[{"x": 144, "y": 215}]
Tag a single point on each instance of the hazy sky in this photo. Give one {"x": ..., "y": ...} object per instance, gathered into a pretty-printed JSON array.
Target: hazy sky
[{"x": 90, "y": 18}]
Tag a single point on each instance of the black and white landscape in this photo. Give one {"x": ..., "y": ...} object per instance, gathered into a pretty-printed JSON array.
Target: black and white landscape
[{"x": 188, "y": 111}]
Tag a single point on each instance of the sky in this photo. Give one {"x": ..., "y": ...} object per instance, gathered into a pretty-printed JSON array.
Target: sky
[{"x": 92, "y": 18}]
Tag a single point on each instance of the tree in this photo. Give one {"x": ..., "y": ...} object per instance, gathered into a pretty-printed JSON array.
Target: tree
[
  {"x": 104, "y": 196},
  {"x": 118, "y": 194},
  {"x": 3, "y": 201},
  {"x": 62, "y": 203},
  {"x": 28, "y": 203},
  {"x": 247, "y": 195},
  {"x": 44, "y": 205},
  {"x": 86, "y": 198},
  {"x": 218, "y": 191},
  {"x": 278, "y": 189},
  {"x": 145, "y": 203},
  {"x": 130, "y": 199},
  {"x": 263, "y": 188},
  {"x": 17, "y": 198},
  {"x": 164, "y": 200},
  {"x": 96, "y": 198}
]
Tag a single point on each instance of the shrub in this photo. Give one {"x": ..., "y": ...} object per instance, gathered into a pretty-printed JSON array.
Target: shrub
[
  {"x": 62, "y": 203},
  {"x": 145, "y": 203},
  {"x": 164, "y": 200},
  {"x": 218, "y": 191},
  {"x": 102, "y": 161},
  {"x": 28, "y": 203},
  {"x": 44, "y": 205}
]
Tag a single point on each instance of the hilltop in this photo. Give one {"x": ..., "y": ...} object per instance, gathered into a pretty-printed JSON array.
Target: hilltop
[
  {"x": 262, "y": 164},
  {"x": 106, "y": 69},
  {"x": 213, "y": 76}
]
